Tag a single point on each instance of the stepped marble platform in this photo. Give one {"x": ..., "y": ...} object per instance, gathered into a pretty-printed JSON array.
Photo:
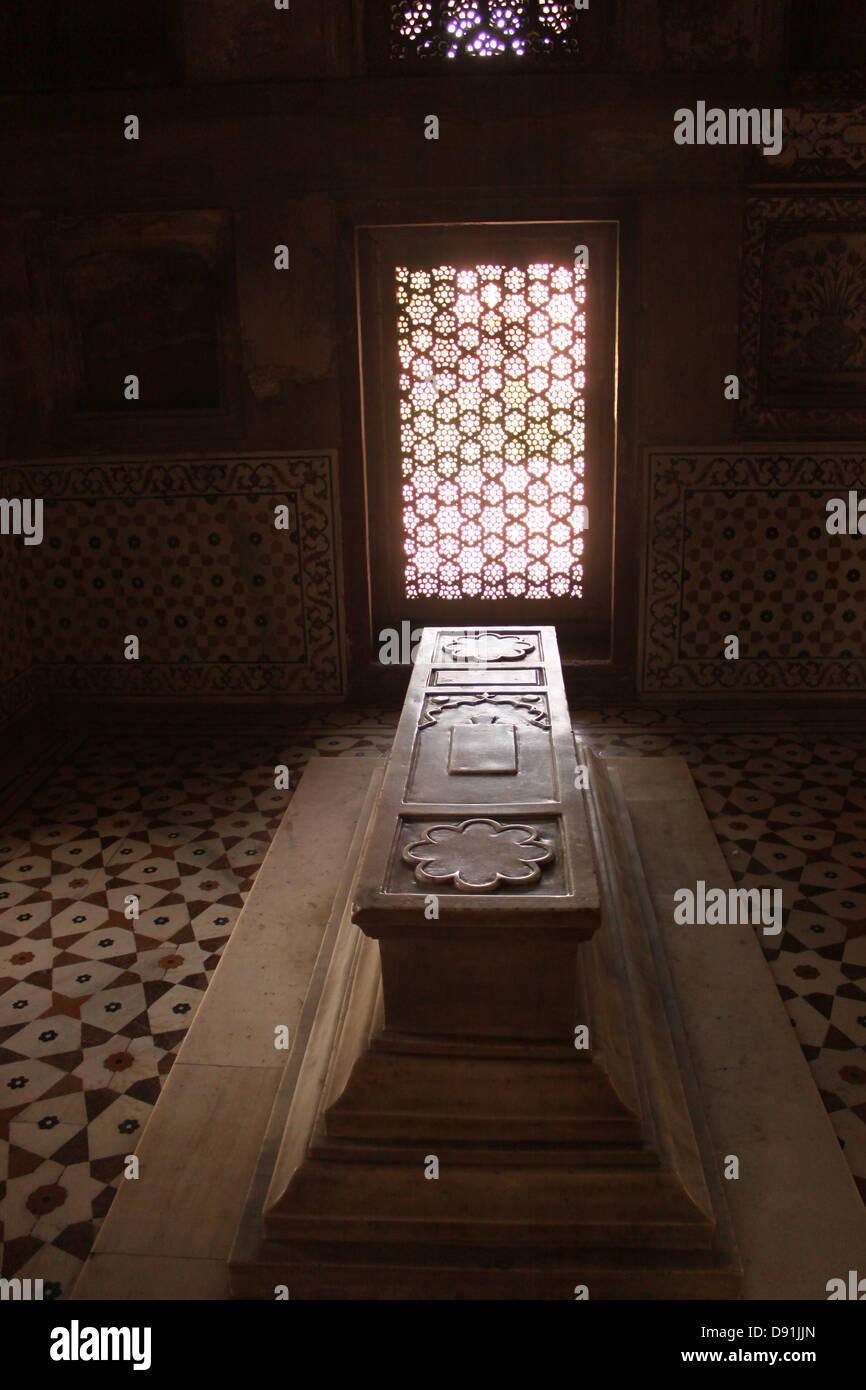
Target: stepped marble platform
[
  {"x": 443, "y": 1134},
  {"x": 217, "y": 1151}
]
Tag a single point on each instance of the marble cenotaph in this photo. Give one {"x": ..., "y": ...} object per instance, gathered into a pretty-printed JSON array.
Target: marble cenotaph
[{"x": 493, "y": 1096}]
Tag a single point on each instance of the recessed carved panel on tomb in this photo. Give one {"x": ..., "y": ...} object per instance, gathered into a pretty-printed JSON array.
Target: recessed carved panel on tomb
[
  {"x": 481, "y": 747},
  {"x": 484, "y": 676},
  {"x": 529, "y": 709},
  {"x": 468, "y": 737}
]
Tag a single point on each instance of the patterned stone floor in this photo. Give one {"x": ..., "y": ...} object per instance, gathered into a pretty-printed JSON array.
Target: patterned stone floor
[{"x": 94, "y": 1005}]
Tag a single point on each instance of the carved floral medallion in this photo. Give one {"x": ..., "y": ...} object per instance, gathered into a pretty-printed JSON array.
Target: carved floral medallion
[
  {"x": 478, "y": 855},
  {"x": 487, "y": 647}
]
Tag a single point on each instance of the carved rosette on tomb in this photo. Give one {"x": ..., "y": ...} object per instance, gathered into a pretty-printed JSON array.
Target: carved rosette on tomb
[{"x": 496, "y": 1001}]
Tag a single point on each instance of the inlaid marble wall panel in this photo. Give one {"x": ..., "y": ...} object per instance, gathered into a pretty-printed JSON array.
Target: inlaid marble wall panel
[
  {"x": 822, "y": 143},
  {"x": 738, "y": 545},
  {"x": 726, "y": 34},
  {"x": 184, "y": 554},
  {"x": 803, "y": 316},
  {"x": 16, "y": 656}
]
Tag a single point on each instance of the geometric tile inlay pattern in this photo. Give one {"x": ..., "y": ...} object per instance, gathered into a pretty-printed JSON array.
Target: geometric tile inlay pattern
[
  {"x": 738, "y": 545},
  {"x": 93, "y": 1006},
  {"x": 789, "y": 811},
  {"x": 185, "y": 554}
]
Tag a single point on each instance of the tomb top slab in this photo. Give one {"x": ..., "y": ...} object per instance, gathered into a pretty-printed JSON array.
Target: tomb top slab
[{"x": 482, "y": 802}]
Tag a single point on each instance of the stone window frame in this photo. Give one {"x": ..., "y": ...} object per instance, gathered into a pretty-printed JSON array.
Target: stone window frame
[{"x": 585, "y": 624}]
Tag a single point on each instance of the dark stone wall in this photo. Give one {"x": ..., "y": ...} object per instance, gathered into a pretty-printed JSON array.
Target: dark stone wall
[{"x": 259, "y": 127}]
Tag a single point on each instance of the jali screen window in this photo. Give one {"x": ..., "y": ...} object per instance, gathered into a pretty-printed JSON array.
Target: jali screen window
[{"x": 488, "y": 359}]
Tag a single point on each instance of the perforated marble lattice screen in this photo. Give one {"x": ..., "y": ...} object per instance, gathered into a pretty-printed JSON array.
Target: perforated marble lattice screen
[
  {"x": 492, "y": 435},
  {"x": 482, "y": 28}
]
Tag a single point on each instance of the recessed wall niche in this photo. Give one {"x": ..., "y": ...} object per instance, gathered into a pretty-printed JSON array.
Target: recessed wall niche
[
  {"x": 150, "y": 297},
  {"x": 707, "y": 38}
]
